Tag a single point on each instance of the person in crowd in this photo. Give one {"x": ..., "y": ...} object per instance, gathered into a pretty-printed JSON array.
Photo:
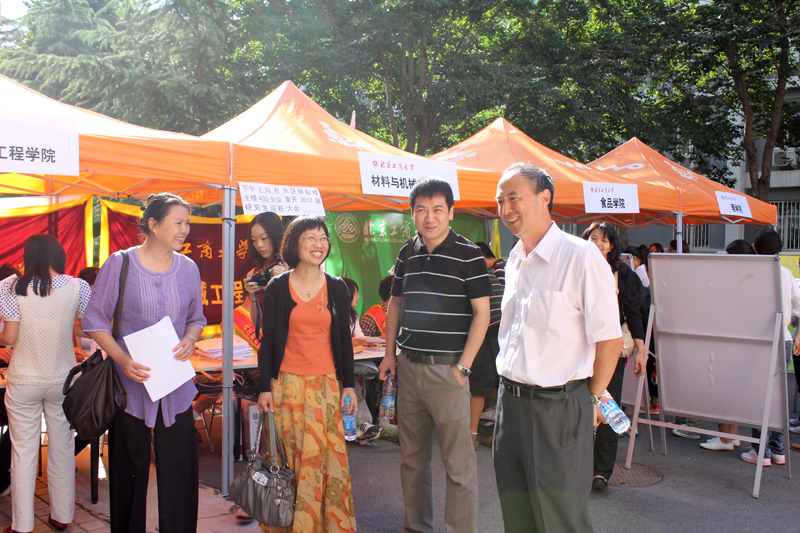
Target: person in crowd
[
  {"x": 673, "y": 247},
  {"x": 768, "y": 242},
  {"x": 438, "y": 315},
  {"x": 737, "y": 247},
  {"x": 263, "y": 247},
  {"x": 628, "y": 289},
  {"x": 373, "y": 323},
  {"x": 559, "y": 305},
  {"x": 497, "y": 265},
  {"x": 7, "y": 274},
  {"x": 366, "y": 431},
  {"x": 39, "y": 313},
  {"x": 306, "y": 349},
  {"x": 655, "y": 248},
  {"x": 161, "y": 282},
  {"x": 639, "y": 254},
  {"x": 483, "y": 380},
  {"x": 83, "y": 345}
]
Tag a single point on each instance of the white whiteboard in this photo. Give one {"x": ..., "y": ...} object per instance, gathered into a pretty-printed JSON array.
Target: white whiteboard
[{"x": 714, "y": 326}]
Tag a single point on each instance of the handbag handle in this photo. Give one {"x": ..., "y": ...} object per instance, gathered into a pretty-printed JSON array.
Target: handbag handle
[{"x": 275, "y": 442}]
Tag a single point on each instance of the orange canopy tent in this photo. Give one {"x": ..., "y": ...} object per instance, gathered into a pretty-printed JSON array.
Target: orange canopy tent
[
  {"x": 116, "y": 158},
  {"x": 482, "y": 158},
  {"x": 698, "y": 203},
  {"x": 288, "y": 139}
]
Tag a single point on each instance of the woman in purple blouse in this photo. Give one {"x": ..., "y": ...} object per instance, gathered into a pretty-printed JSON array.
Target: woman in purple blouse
[{"x": 161, "y": 282}]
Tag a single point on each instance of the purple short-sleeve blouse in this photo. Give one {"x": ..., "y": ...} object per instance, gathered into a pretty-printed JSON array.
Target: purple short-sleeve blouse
[{"x": 149, "y": 297}]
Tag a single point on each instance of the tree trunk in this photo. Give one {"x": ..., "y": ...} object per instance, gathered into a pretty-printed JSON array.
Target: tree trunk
[{"x": 739, "y": 81}]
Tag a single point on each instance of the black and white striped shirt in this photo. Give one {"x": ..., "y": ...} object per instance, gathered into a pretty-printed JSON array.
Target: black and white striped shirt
[{"x": 436, "y": 289}]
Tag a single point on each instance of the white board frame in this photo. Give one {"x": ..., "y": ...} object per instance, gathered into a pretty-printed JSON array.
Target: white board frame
[{"x": 686, "y": 327}]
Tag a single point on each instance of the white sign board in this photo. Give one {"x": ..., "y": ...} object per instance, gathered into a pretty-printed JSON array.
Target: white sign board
[
  {"x": 31, "y": 144},
  {"x": 610, "y": 198},
  {"x": 733, "y": 204},
  {"x": 391, "y": 175},
  {"x": 280, "y": 199}
]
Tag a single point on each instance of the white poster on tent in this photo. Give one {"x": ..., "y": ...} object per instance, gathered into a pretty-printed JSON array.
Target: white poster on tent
[
  {"x": 391, "y": 175},
  {"x": 280, "y": 199},
  {"x": 610, "y": 198},
  {"x": 733, "y": 204},
  {"x": 33, "y": 144}
]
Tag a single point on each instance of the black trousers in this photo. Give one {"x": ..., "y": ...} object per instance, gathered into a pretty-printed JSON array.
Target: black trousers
[
  {"x": 176, "y": 472},
  {"x": 652, "y": 388},
  {"x": 543, "y": 462},
  {"x": 606, "y": 439}
]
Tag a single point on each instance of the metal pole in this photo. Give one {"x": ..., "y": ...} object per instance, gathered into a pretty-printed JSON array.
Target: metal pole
[
  {"x": 679, "y": 233},
  {"x": 228, "y": 246}
]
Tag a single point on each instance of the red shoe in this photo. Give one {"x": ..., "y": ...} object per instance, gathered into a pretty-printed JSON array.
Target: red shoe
[
  {"x": 9, "y": 530},
  {"x": 58, "y": 525}
]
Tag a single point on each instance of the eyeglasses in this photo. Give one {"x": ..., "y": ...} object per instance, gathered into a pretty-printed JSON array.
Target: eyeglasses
[{"x": 325, "y": 241}]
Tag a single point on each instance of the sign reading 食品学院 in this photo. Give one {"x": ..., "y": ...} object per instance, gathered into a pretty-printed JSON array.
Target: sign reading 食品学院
[
  {"x": 33, "y": 144},
  {"x": 610, "y": 198},
  {"x": 391, "y": 175},
  {"x": 285, "y": 201}
]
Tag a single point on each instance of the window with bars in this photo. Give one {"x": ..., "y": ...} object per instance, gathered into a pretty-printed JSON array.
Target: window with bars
[
  {"x": 696, "y": 236},
  {"x": 789, "y": 223}
]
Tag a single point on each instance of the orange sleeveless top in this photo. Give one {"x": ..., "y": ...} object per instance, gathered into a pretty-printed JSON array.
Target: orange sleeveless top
[{"x": 308, "y": 344}]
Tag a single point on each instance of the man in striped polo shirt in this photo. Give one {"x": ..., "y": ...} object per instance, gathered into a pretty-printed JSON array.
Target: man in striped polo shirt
[{"x": 438, "y": 315}]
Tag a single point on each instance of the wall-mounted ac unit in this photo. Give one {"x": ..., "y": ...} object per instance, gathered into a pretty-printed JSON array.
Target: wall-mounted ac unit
[{"x": 784, "y": 158}]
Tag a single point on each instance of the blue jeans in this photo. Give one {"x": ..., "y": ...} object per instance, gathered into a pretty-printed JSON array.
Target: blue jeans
[{"x": 775, "y": 444}]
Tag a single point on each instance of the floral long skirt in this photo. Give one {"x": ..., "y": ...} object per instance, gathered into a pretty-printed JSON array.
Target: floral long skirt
[{"x": 310, "y": 423}]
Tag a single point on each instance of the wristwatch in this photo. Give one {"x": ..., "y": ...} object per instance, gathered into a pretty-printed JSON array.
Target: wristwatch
[
  {"x": 464, "y": 370},
  {"x": 595, "y": 400}
]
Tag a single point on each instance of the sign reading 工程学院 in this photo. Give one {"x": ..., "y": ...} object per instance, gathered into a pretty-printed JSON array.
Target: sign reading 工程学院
[
  {"x": 610, "y": 198},
  {"x": 32, "y": 144},
  {"x": 285, "y": 201},
  {"x": 391, "y": 175},
  {"x": 733, "y": 204}
]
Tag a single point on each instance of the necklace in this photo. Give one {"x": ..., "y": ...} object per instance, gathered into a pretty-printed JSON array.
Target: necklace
[{"x": 300, "y": 279}]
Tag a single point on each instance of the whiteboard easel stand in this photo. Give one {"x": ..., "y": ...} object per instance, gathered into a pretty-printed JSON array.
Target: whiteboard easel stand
[{"x": 773, "y": 370}]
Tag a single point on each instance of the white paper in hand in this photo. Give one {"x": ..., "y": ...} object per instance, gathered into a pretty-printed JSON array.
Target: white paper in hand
[{"x": 153, "y": 347}]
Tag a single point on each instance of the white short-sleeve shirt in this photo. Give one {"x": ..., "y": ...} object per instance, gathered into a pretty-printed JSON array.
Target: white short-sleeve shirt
[{"x": 559, "y": 302}]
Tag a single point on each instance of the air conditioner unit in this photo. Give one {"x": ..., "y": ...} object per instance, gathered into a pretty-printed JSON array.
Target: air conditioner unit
[{"x": 781, "y": 158}]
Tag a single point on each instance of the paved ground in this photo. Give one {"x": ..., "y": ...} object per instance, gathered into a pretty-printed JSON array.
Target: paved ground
[{"x": 700, "y": 491}]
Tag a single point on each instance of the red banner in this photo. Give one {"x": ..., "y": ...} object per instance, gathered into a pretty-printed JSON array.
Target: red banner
[
  {"x": 120, "y": 230},
  {"x": 65, "y": 222}
]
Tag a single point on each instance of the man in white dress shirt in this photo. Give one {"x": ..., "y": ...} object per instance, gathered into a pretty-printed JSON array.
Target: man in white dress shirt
[{"x": 560, "y": 340}]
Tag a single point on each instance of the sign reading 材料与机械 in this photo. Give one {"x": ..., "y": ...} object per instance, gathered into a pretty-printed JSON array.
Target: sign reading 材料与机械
[{"x": 391, "y": 175}]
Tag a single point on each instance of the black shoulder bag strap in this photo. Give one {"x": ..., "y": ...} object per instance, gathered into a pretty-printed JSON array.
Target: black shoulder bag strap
[{"x": 123, "y": 280}]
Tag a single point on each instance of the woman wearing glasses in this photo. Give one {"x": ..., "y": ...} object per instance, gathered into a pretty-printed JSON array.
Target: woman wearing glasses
[{"x": 306, "y": 350}]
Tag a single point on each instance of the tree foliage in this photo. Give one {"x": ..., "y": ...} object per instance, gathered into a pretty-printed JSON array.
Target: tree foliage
[{"x": 695, "y": 80}]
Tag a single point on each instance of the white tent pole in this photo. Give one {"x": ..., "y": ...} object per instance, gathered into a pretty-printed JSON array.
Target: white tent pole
[
  {"x": 679, "y": 233},
  {"x": 228, "y": 247}
]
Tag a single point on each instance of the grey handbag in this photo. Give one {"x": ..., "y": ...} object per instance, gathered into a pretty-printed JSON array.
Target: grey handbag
[{"x": 266, "y": 491}]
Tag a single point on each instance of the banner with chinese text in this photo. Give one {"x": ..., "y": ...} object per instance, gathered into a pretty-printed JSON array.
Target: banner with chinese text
[
  {"x": 32, "y": 144},
  {"x": 69, "y": 222},
  {"x": 365, "y": 244},
  {"x": 119, "y": 230}
]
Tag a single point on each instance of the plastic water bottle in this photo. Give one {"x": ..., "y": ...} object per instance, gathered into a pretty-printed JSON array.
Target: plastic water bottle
[
  {"x": 349, "y": 421},
  {"x": 389, "y": 397},
  {"x": 613, "y": 414}
]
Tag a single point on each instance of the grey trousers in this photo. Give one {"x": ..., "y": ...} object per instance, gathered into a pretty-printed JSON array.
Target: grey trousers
[
  {"x": 428, "y": 397},
  {"x": 543, "y": 462}
]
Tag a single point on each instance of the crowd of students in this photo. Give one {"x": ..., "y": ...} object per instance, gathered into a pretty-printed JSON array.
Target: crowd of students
[{"x": 546, "y": 325}]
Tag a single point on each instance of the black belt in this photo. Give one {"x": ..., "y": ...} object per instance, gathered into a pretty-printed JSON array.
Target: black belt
[
  {"x": 426, "y": 358},
  {"x": 521, "y": 390}
]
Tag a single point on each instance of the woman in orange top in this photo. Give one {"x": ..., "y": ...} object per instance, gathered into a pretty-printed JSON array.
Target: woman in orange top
[{"x": 305, "y": 351}]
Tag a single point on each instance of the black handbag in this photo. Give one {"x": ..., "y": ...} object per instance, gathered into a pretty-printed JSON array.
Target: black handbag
[
  {"x": 266, "y": 490},
  {"x": 90, "y": 402}
]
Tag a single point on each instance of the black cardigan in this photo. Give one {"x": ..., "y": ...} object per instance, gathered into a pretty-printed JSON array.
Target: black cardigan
[
  {"x": 278, "y": 305},
  {"x": 629, "y": 299}
]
